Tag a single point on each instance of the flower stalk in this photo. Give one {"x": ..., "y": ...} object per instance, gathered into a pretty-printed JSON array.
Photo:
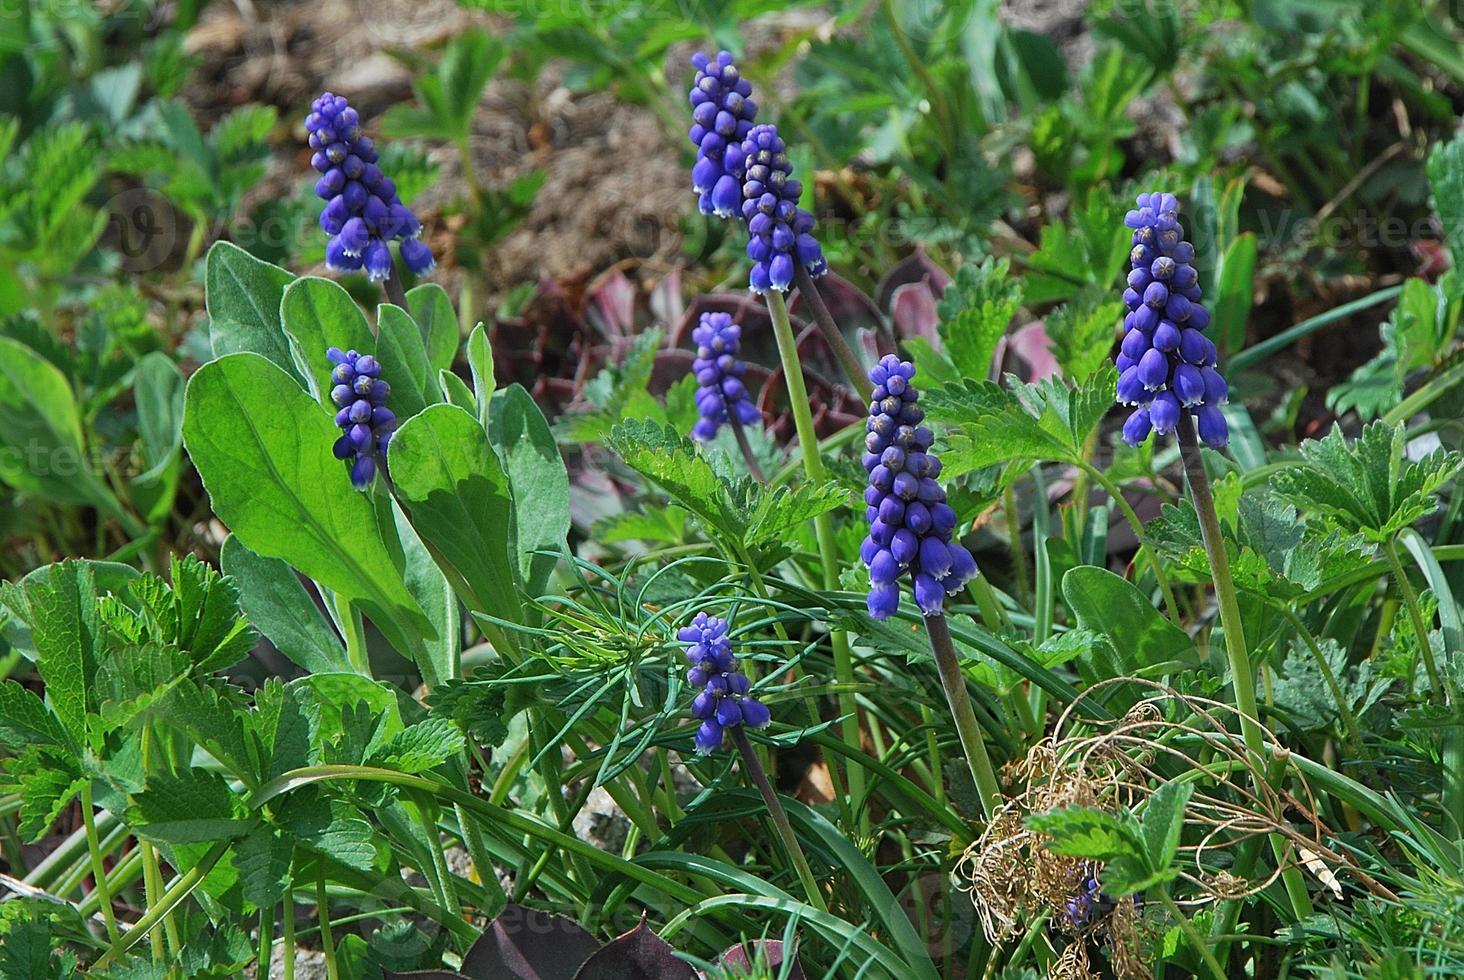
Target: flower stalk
[
  {"x": 973, "y": 743},
  {"x": 754, "y": 770}
]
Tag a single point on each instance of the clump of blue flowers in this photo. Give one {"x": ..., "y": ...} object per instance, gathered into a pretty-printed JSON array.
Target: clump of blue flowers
[
  {"x": 1088, "y": 905},
  {"x": 724, "y": 701},
  {"x": 362, "y": 213},
  {"x": 1166, "y": 363},
  {"x": 720, "y": 394},
  {"x": 744, "y": 170},
  {"x": 780, "y": 232},
  {"x": 722, "y": 112},
  {"x": 910, "y": 523},
  {"x": 365, "y": 421}
]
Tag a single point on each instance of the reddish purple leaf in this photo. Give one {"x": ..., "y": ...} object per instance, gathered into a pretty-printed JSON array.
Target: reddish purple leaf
[
  {"x": 918, "y": 267},
  {"x": 1034, "y": 347},
  {"x": 913, "y": 312},
  {"x": 526, "y": 944},
  {"x": 638, "y": 955},
  {"x": 614, "y": 298},
  {"x": 744, "y": 955}
]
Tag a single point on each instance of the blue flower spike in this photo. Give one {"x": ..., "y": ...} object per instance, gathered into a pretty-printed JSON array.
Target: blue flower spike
[
  {"x": 910, "y": 522},
  {"x": 724, "y": 701},
  {"x": 1166, "y": 364},
  {"x": 720, "y": 394},
  {"x": 363, "y": 214},
  {"x": 722, "y": 112},
  {"x": 780, "y": 233},
  {"x": 366, "y": 423}
]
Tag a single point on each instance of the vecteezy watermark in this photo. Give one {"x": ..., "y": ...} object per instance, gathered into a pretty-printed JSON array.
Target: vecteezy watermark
[{"x": 142, "y": 228}]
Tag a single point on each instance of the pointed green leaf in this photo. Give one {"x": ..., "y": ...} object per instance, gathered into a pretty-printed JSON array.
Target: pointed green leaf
[
  {"x": 404, "y": 363},
  {"x": 277, "y": 603},
  {"x": 539, "y": 483},
  {"x": 41, "y": 447},
  {"x": 319, "y": 314},
  {"x": 243, "y": 295},
  {"x": 1164, "y": 822},
  {"x": 262, "y": 447},
  {"x": 1108, "y": 604},
  {"x": 432, "y": 309}
]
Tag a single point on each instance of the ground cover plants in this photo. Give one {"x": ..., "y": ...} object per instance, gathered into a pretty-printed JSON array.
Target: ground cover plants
[{"x": 1003, "y": 521}]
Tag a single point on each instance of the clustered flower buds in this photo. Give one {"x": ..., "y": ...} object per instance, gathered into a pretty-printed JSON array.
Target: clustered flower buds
[
  {"x": 362, "y": 213},
  {"x": 722, "y": 113},
  {"x": 1088, "y": 905},
  {"x": 720, "y": 392},
  {"x": 724, "y": 701},
  {"x": 780, "y": 232},
  {"x": 365, "y": 421},
  {"x": 1166, "y": 363},
  {"x": 910, "y": 523}
]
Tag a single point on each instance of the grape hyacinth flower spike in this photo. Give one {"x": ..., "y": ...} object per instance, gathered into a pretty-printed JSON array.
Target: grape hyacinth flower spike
[
  {"x": 721, "y": 397},
  {"x": 724, "y": 701},
  {"x": 722, "y": 112},
  {"x": 910, "y": 523},
  {"x": 1166, "y": 364},
  {"x": 365, "y": 421},
  {"x": 363, "y": 214},
  {"x": 780, "y": 233}
]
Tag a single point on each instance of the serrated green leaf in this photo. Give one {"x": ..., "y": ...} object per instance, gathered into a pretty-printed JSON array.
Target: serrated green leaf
[
  {"x": 59, "y": 605},
  {"x": 1082, "y": 335},
  {"x": 1367, "y": 486},
  {"x": 329, "y": 827},
  {"x": 286, "y": 721},
  {"x": 975, "y": 310},
  {"x": 420, "y": 747},
  {"x": 263, "y": 860},
  {"x": 25, "y": 720},
  {"x": 664, "y": 456},
  {"x": 1088, "y": 833},
  {"x": 776, "y": 512},
  {"x": 190, "y": 807},
  {"x": 215, "y": 718},
  {"x": 47, "y": 782},
  {"x": 1446, "y": 178},
  {"x": 1163, "y": 822}
]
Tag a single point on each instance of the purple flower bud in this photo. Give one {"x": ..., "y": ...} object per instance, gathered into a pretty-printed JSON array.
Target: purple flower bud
[
  {"x": 363, "y": 213},
  {"x": 720, "y": 394},
  {"x": 1164, "y": 412},
  {"x": 1138, "y": 426},
  {"x": 1213, "y": 430},
  {"x": 724, "y": 701},
  {"x": 366, "y": 423}
]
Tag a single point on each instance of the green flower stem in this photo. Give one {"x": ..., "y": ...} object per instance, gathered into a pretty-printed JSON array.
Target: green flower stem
[
  {"x": 1200, "y": 944},
  {"x": 440, "y": 875},
  {"x": 1349, "y": 720},
  {"x": 392, "y": 287},
  {"x": 754, "y": 770},
  {"x": 832, "y": 335},
  {"x": 823, "y": 525},
  {"x": 473, "y": 844},
  {"x": 1420, "y": 628},
  {"x": 1014, "y": 542},
  {"x": 99, "y": 873},
  {"x": 181, "y": 888},
  {"x": 740, "y": 433},
  {"x": 266, "y": 938},
  {"x": 322, "y": 911},
  {"x": 287, "y": 932},
  {"x": 349, "y": 622},
  {"x": 1242, "y": 677},
  {"x": 959, "y": 699}
]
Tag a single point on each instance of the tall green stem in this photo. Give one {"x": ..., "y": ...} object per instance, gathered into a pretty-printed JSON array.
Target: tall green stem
[
  {"x": 322, "y": 910},
  {"x": 823, "y": 526},
  {"x": 287, "y": 934},
  {"x": 958, "y": 698},
  {"x": 1201, "y": 947},
  {"x": 1116, "y": 492},
  {"x": 99, "y": 873},
  {"x": 1420, "y": 628},
  {"x": 832, "y": 335},
  {"x": 1242, "y": 677},
  {"x": 754, "y": 770}
]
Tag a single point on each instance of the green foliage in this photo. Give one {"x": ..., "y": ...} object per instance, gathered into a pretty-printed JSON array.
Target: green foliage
[
  {"x": 974, "y": 312},
  {"x": 1136, "y": 855},
  {"x": 1368, "y": 486}
]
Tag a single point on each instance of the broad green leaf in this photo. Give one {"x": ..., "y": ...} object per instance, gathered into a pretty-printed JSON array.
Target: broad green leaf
[
  {"x": 243, "y": 295},
  {"x": 41, "y": 447},
  {"x": 974, "y": 312},
  {"x": 1164, "y": 822},
  {"x": 538, "y": 480},
  {"x": 404, "y": 363},
  {"x": 1367, "y": 486},
  {"x": 190, "y": 807},
  {"x": 59, "y": 604},
  {"x": 432, "y": 310},
  {"x": 278, "y": 604},
  {"x": 25, "y": 719},
  {"x": 319, "y": 314},
  {"x": 262, "y": 447},
  {"x": 458, "y": 498},
  {"x": 213, "y": 715},
  {"x": 1107, "y": 604},
  {"x": 263, "y": 860}
]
